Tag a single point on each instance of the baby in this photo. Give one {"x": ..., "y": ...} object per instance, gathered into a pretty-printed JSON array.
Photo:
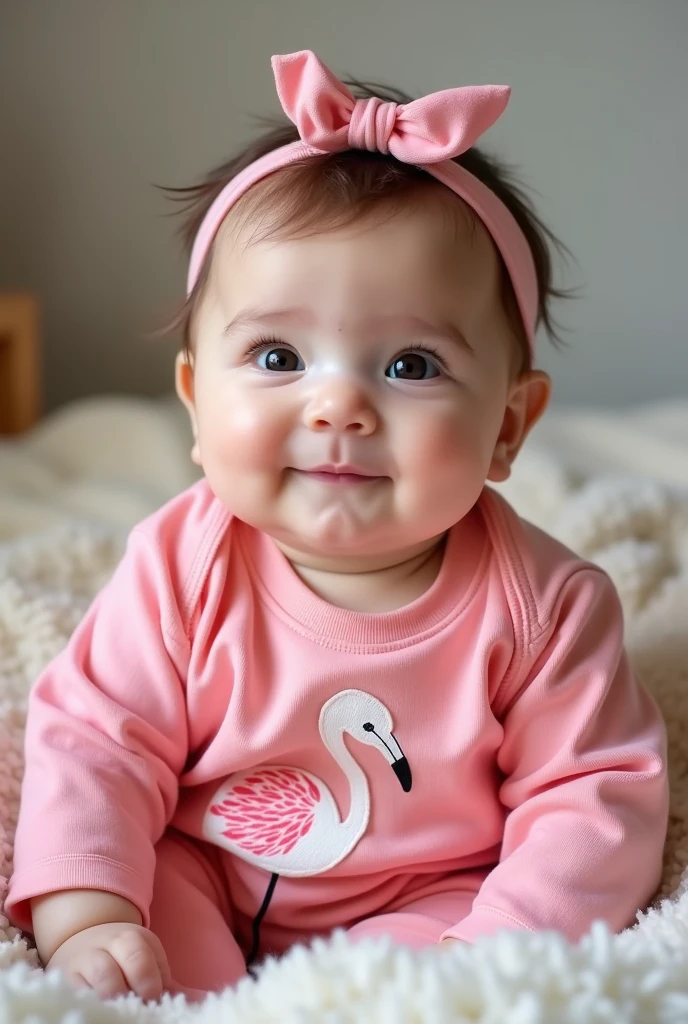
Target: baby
[{"x": 339, "y": 683}]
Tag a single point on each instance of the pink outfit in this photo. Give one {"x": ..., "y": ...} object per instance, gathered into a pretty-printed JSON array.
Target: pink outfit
[
  {"x": 483, "y": 758},
  {"x": 429, "y": 132}
]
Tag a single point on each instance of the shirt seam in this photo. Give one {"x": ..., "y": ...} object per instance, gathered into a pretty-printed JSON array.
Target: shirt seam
[
  {"x": 196, "y": 578},
  {"x": 517, "y": 589},
  {"x": 505, "y": 914},
  {"x": 538, "y": 631},
  {"x": 202, "y": 563},
  {"x": 173, "y": 609}
]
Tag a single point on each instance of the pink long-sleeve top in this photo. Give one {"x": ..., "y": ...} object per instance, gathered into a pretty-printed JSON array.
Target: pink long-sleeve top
[{"x": 491, "y": 731}]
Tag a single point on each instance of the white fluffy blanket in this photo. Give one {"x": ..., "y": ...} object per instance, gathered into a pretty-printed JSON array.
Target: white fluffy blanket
[{"x": 613, "y": 487}]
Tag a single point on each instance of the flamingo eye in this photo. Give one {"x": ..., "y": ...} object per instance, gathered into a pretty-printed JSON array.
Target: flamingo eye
[{"x": 369, "y": 727}]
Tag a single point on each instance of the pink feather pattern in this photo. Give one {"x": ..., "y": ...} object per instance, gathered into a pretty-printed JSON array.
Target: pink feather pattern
[{"x": 269, "y": 811}]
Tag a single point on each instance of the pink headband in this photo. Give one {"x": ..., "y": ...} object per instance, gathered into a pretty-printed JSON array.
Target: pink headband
[{"x": 428, "y": 133}]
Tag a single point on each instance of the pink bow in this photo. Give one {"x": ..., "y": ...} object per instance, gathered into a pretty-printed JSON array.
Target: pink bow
[{"x": 434, "y": 128}]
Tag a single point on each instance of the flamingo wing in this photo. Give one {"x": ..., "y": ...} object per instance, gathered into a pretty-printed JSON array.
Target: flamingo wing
[{"x": 268, "y": 811}]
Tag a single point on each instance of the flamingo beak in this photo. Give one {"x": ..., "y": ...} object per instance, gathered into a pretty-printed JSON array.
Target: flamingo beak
[{"x": 402, "y": 770}]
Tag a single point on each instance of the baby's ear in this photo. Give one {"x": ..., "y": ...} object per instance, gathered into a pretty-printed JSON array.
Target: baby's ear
[
  {"x": 528, "y": 399},
  {"x": 184, "y": 383}
]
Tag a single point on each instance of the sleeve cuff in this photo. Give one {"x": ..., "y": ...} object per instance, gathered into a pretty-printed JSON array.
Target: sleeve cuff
[
  {"x": 77, "y": 872},
  {"x": 484, "y": 921}
]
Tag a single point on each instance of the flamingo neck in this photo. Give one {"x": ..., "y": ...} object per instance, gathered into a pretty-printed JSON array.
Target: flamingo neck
[{"x": 359, "y": 806}]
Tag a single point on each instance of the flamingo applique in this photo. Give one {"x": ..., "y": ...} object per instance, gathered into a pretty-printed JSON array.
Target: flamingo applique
[{"x": 285, "y": 820}]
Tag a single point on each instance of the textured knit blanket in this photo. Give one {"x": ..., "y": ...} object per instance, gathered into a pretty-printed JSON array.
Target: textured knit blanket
[{"x": 614, "y": 488}]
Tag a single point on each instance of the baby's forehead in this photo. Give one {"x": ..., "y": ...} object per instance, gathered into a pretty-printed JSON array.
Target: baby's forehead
[{"x": 433, "y": 235}]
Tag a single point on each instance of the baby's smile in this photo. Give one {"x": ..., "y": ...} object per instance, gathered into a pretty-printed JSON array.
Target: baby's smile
[{"x": 340, "y": 475}]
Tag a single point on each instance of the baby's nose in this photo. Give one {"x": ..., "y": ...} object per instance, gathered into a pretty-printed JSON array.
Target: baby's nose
[{"x": 341, "y": 406}]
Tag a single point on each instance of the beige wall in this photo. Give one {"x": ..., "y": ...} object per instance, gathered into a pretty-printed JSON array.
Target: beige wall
[{"x": 101, "y": 98}]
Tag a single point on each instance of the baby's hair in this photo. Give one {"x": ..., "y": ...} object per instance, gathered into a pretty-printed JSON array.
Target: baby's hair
[{"x": 338, "y": 189}]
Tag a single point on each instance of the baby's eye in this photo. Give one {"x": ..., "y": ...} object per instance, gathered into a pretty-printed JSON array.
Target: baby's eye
[
  {"x": 280, "y": 359},
  {"x": 412, "y": 366}
]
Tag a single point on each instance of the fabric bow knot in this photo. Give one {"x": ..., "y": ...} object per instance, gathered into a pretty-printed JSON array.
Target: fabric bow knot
[
  {"x": 371, "y": 125},
  {"x": 426, "y": 131}
]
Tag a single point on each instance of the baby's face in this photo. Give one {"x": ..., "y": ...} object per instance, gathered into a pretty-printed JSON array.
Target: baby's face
[{"x": 351, "y": 390}]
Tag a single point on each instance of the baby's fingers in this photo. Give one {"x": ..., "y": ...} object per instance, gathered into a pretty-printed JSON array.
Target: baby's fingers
[
  {"x": 99, "y": 971},
  {"x": 144, "y": 971}
]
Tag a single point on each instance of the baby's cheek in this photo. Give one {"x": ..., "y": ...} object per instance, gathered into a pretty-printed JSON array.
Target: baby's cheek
[
  {"x": 445, "y": 469},
  {"x": 246, "y": 437},
  {"x": 435, "y": 442}
]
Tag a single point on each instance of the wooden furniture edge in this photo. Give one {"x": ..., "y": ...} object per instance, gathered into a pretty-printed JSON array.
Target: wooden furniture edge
[{"x": 20, "y": 389}]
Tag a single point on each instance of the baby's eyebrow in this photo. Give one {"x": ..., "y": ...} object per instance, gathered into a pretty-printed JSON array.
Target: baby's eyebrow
[
  {"x": 255, "y": 316},
  {"x": 411, "y": 324}
]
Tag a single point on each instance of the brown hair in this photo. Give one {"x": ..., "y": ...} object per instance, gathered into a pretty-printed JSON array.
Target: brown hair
[{"x": 338, "y": 188}]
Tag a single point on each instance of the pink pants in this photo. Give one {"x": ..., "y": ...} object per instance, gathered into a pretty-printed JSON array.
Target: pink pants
[{"x": 191, "y": 916}]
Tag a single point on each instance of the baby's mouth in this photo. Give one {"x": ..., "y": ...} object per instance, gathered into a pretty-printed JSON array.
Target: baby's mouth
[{"x": 340, "y": 475}]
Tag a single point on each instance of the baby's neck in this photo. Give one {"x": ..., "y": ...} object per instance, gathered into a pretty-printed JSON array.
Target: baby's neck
[{"x": 384, "y": 589}]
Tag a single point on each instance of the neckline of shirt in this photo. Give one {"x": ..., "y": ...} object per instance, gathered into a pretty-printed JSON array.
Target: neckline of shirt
[{"x": 447, "y": 597}]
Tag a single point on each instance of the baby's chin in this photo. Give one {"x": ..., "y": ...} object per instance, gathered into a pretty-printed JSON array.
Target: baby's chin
[
  {"x": 341, "y": 545},
  {"x": 341, "y": 550}
]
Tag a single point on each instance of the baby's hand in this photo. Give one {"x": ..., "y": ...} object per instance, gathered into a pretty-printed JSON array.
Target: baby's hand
[{"x": 114, "y": 959}]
